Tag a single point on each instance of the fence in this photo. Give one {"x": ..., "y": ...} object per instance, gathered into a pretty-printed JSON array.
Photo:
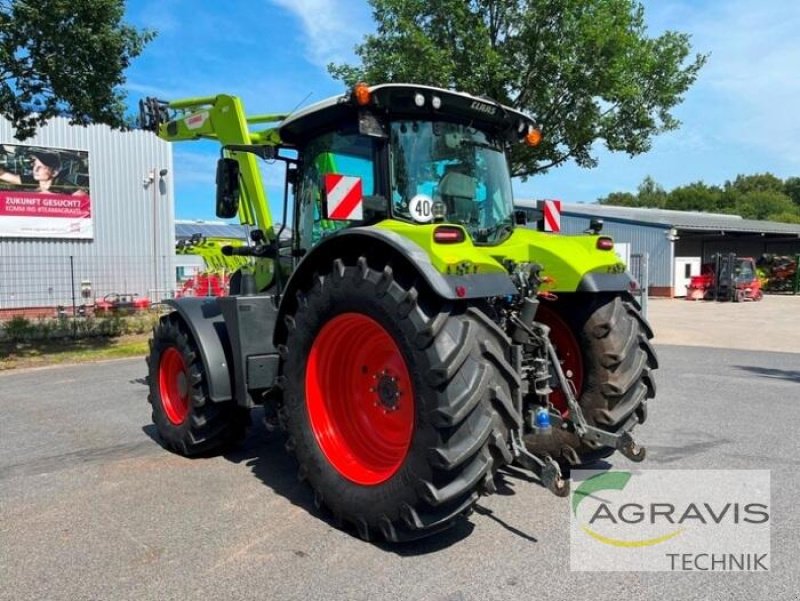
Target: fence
[
  {"x": 638, "y": 268},
  {"x": 64, "y": 286}
]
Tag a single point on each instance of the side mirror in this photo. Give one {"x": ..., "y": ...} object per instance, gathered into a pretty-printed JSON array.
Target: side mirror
[
  {"x": 520, "y": 217},
  {"x": 227, "y": 188}
]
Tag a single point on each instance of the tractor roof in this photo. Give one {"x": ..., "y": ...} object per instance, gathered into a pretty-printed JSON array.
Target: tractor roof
[{"x": 405, "y": 101}]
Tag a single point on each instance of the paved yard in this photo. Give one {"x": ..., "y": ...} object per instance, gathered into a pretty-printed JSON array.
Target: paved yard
[
  {"x": 772, "y": 324},
  {"x": 91, "y": 507}
]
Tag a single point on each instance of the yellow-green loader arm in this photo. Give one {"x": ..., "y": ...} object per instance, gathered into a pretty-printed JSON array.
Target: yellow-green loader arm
[{"x": 221, "y": 118}]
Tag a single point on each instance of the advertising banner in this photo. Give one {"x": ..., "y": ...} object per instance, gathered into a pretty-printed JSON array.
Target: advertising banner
[{"x": 44, "y": 192}]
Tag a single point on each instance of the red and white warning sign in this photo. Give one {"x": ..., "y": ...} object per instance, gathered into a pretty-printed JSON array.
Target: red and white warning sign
[
  {"x": 551, "y": 215},
  {"x": 344, "y": 198}
]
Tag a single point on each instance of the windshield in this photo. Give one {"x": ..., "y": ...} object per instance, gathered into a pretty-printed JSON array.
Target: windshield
[{"x": 458, "y": 166}]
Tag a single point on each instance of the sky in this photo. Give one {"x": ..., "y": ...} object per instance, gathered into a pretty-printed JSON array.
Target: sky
[{"x": 741, "y": 116}]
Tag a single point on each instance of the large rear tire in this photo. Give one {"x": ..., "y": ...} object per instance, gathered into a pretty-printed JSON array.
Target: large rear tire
[
  {"x": 603, "y": 342},
  {"x": 188, "y": 422},
  {"x": 397, "y": 405}
]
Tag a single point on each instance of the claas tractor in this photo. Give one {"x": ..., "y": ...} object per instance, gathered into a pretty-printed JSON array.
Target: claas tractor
[{"x": 412, "y": 337}]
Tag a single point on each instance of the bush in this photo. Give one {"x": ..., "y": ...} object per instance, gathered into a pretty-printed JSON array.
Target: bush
[{"x": 18, "y": 329}]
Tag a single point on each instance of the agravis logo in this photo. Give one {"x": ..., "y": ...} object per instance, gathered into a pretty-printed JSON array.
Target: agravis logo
[
  {"x": 611, "y": 481},
  {"x": 670, "y": 520}
]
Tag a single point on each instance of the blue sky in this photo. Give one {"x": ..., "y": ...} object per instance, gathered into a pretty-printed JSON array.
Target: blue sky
[{"x": 742, "y": 115}]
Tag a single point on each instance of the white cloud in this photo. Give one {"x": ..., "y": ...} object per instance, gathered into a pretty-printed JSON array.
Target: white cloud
[
  {"x": 753, "y": 73},
  {"x": 332, "y": 28}
]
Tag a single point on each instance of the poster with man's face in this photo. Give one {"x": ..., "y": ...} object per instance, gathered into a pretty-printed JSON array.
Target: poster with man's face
[{"x": 44, "y": 192}]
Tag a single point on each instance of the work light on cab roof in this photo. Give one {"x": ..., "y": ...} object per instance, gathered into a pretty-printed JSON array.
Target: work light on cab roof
[{"x": 527, "y": 131}]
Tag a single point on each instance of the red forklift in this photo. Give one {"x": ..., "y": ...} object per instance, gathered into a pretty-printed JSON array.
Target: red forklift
[{"x": 726, "y": 278}]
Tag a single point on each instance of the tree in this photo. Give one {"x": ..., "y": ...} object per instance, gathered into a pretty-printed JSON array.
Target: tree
[
  {"x": 651, "y": 194},
  {"x": 764, "y": 204},
  {"x": 65, "y": 58},
  {"x": 758, "y": 196},
  {"x": 758, "y": 182},
  {"x": 585, "y": 68},
  {"x": 791, "y": 187},
  {"x": 695, "y": 197},
  {"x": 620, "y": 199}
]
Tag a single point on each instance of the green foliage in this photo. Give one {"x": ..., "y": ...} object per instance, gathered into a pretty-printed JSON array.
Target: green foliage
[
  {"x": 20, "y": 329},
  {"x": 696, "y": 197},
  {"x": 760, "y": 182},
  {"x": 759, "y": 196},
  {"x": 651, "y": 194},
  {"x": 17, "y": 329},
  {"x": 585, "y": 68},
  {"x": 65, "y": 58},
  {"x": 762, "y": 204},
  {"x": 620, "y": 199},
  {"x": 791, "y": 187}
]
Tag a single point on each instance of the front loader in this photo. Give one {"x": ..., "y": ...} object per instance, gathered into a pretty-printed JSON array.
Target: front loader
[{"x": 413, "y": 337}]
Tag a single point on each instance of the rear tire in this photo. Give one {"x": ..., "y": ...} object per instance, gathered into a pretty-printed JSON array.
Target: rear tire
[
  {"x": 188, "y": 422},
  {"x": 616, "y": 362},
  {"x": 450, "y": 365}
]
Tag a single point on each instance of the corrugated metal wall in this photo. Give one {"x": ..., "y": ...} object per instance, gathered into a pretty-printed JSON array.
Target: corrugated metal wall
[
  {"x": 134, "y": 230},
  {"x": 642, "y": 239}
]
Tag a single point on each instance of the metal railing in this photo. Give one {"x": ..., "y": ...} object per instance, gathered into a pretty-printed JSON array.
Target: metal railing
[
  {"x": 72, "y": 286},
  {"x": 638, "y": 268}
]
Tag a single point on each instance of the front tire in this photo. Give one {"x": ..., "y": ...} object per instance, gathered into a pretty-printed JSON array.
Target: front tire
[
  {"x": 188, "y": 422},
  {"x": 397, "y": 406}
]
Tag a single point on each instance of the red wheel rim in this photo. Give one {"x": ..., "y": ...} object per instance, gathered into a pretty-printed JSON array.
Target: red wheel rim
[
  {"x": 173, "y": 384},
  {"x": 360, "y": 399},
  {"x": 568, "y": 351}
]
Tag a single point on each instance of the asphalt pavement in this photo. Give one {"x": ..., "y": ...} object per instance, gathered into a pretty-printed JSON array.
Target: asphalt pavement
[{"x": 92, "y": 508}]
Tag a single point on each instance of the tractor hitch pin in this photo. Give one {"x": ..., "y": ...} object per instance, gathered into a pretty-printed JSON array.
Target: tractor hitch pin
[{"x": 545, "y": 468}]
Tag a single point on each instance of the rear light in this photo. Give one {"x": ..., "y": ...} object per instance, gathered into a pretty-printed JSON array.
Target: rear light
[
  {"x": 604, "y": 243},
  {"x": 448, "y": 234}
]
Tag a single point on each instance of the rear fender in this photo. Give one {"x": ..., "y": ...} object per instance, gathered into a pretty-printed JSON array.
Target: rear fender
[
  {"x": 351, "y": 243},
  {"x": 571, "y": 263}
]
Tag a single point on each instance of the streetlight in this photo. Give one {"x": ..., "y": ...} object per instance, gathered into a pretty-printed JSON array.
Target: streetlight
[{"x": 149, "y": 180}]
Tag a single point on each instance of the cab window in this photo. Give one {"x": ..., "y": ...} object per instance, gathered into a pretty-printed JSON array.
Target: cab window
[{"x": 341, "y": 153}]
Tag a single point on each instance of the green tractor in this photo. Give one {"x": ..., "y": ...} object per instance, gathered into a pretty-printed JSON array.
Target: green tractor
[{"x": 411, "y": 338}]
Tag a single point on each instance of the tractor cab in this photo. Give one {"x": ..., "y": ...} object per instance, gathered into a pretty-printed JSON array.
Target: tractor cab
[{"x": 414, "y": 154}]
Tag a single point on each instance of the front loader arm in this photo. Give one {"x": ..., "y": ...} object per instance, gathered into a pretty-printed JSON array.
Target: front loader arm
[{"x": 219, "y": 118}]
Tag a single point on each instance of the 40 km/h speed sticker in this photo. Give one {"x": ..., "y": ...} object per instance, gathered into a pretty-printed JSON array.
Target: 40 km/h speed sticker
[{"x": 421, "y": 208}]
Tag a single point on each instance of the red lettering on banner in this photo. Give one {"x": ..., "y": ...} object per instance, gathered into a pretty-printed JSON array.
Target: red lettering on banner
[{"x": 32, "y": 204}]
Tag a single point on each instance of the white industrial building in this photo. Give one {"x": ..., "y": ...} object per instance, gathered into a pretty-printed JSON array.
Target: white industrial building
[
  {"x": 676, "y": 243},
  {"x": 103, "y": 222}
]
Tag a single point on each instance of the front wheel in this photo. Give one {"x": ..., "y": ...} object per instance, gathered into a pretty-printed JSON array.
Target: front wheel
[
  {"x": 188, "y": 422},
  {"x": 397, "y": 405}
]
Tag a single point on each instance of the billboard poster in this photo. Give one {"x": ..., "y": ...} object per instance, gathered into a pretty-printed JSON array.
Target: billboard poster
[{"x": 44, "y": 192}]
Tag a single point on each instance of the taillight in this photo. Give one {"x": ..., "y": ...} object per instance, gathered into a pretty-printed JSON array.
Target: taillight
[
  {"x": 604, "y": 243},
  {"x": 448, "y": 234}
]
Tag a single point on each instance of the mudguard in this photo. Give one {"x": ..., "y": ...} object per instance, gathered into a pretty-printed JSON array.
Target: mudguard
[
  {"x": 204, "y": 319},
  {"x": 345, "y": 242}
]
